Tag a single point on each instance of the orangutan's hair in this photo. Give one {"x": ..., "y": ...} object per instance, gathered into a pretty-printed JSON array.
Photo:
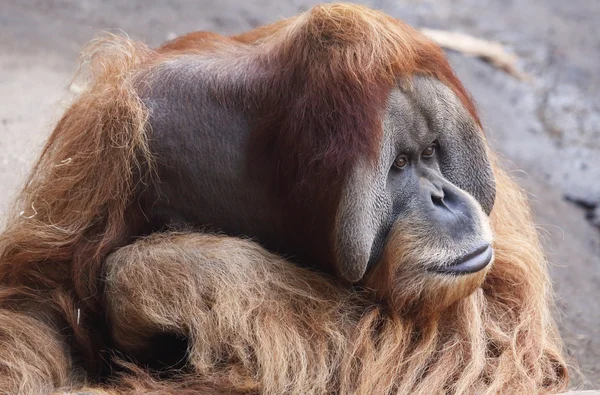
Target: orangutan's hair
[
  {"x": 75, "y": 212},
  {"x": 284, "y": 329},
  {"x": 255, "y": 322}
]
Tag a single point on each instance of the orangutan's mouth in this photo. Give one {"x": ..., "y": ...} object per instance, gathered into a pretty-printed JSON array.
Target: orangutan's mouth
[{"x": 469, "y": 263}]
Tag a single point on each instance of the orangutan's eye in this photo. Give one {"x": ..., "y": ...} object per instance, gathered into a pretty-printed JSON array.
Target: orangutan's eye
[
  {"x": 401, "y": 162},
  {"x": 429, "y": 151}
]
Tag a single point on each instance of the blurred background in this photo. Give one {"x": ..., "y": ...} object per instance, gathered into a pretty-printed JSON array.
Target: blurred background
[{"x": 546, "y": 128}]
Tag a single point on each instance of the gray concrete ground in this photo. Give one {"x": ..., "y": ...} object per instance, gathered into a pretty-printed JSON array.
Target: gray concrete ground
[{"x": 548, "y": 130}]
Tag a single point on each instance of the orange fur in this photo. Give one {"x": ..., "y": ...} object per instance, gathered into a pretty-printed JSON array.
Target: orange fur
[
  {"x": 262, "y": 325},
  {"x": 256, "y": 323}
]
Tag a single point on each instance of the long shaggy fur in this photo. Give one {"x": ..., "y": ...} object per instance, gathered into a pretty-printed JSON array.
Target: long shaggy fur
[
  {"x": 75, "y": 212},
  {"x": 255, "y": 322},
  {"x": 262, "y": 325}
]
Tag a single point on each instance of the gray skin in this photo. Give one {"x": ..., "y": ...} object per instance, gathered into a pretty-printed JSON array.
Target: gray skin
[
  {"x": 436, "y": 190},
  {"x": 200, "y": 144}
]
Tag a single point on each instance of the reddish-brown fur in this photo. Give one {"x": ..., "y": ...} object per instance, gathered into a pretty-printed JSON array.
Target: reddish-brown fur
[
  {"x": 80, "y": 206},
  {"x": 341, "y": 62}
]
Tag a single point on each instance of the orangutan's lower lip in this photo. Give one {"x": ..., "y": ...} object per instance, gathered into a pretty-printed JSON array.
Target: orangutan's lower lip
[{"x": 470, "y": 263}]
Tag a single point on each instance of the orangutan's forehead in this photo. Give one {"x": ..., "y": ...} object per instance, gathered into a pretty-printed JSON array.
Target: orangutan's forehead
[{"x": 418, "y": 114}]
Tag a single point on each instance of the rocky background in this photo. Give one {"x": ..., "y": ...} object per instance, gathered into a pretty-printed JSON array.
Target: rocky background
[{"x": 547, "y": 129}]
